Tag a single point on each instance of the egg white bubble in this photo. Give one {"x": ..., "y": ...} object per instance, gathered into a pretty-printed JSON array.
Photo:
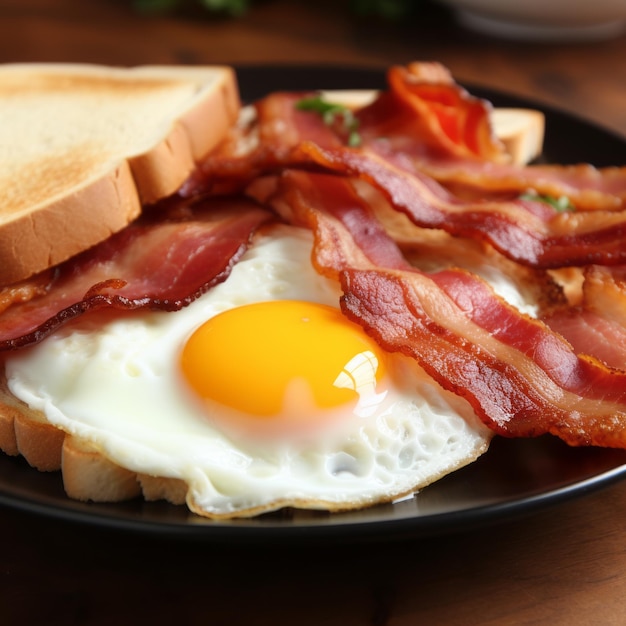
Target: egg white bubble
[{"x": 116, "y": 383}]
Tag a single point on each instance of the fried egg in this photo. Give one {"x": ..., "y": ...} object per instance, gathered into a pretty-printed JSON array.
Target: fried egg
[{"x": 258, "y": 395}]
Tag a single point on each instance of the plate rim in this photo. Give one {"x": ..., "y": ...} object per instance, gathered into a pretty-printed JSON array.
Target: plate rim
[{"x": 387, "y": 531}]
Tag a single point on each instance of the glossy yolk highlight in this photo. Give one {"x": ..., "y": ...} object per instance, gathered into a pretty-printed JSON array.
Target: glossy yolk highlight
[{"x": 289, "y": 359}]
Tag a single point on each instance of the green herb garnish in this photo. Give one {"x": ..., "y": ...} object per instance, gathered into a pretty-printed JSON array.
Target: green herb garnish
[
  {"x": 560, "y": 204},
  {"x": 333, "y": 114}
]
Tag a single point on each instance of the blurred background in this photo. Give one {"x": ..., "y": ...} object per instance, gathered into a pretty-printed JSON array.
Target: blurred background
[{"x": 578, "y": 66}]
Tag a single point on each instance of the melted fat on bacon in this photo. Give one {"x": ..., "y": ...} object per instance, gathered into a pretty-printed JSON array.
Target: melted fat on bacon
[
  {"x": 155, "y": 263},
  {"x": 591, "y": 333}
]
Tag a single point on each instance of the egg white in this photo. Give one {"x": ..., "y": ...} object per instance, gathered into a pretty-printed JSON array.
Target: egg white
[{"x": 117, "y": 385}]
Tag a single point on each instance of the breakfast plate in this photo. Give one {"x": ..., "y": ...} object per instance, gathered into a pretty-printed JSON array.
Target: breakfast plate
[{"x": 515, "y": 477}]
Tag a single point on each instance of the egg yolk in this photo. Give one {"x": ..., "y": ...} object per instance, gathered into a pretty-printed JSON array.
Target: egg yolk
[{"x": 276, "y": 358}]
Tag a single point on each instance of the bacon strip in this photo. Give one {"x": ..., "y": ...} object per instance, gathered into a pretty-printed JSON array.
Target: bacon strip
[
  {"x": 528, "y": 232},
  {"x": 426, "y": 118},
  {"x": 588, "y": 188},
  {"x": 446, "y": 133},
  {"x": 425, "y": 104},
  {"x": 298, "y": 198},
  {"x": 261, "y": 145},
  {"x": 522, "y": 378},
  {"x": 598, "y": 325},
  {"x": 530, "y": 337},
  {"x": 407, "y": 163},
  {"x": 510, "y": 391},
  {"x": 155, "y": 263}
]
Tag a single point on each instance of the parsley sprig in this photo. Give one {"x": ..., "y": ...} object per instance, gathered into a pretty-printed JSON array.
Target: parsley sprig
[
  {"x": 560, "y": 204},
  {"x": 333, "y": 114}
]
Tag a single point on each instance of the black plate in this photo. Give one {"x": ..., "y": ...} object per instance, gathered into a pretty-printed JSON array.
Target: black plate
[{"x": 514, "y": 477}]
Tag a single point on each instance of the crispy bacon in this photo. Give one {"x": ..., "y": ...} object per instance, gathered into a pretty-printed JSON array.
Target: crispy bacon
[
  {"x": 260, "y": 144},
  {"x": 425, "y": 118},
  {"x": 528, "y": 336},
  {"x": 597, "y": 324},
  {"x": 521, "y": 377},
  {"x": 298, "y": 197},
  {"x": 526, "y": 231},
  {"x": 424, "y": 106},
  {"x": 446, "y": 133},
  {"x": 516, "y": 395},
  {"x": 433, "y": 131},
  {"x": 587, "y": 188},
  {"x": 427, "y": 110},
  {"x": 155, "y": 263}
]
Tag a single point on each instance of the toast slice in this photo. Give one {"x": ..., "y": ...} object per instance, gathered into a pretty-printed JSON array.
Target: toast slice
[{"x": 83, "y": 147}]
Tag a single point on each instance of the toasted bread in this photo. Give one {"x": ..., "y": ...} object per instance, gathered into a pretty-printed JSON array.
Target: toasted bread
[
  {"x": 521, "y": 131},
  {"x": 83, "y": 147},
  {"x": 86, "y": 471}
]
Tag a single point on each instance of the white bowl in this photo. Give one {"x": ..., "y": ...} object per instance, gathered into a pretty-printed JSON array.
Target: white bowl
[{"x": 559, "y": 20}]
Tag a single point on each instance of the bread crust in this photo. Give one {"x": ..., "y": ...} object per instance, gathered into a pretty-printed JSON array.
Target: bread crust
[
  {"x": 27, "y": 432},
  {"x": 8, "y": 440},
  {"x": 67, "y": 226},
  {"x": 92, "y": 207},
  {"x": 87, "y": 475},
  {"x": 161, "y": 171},
  {"x": 173, "y": 490}
]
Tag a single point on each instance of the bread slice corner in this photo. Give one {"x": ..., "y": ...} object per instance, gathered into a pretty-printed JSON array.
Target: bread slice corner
[
  {"x": 89, "y": 475},
  {"x": 27, "y": 432},
  {"x": 84, "y": 147},
  {"x": 521, "y": 131}
]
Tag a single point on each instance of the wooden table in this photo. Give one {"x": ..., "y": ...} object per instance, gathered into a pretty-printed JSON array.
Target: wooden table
[
  {"x": 586, "y": 78},
  {"x": 562, "y": 565}
]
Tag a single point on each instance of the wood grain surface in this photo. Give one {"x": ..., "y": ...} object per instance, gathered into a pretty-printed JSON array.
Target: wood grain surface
[{"x": 565, "y": 564}]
